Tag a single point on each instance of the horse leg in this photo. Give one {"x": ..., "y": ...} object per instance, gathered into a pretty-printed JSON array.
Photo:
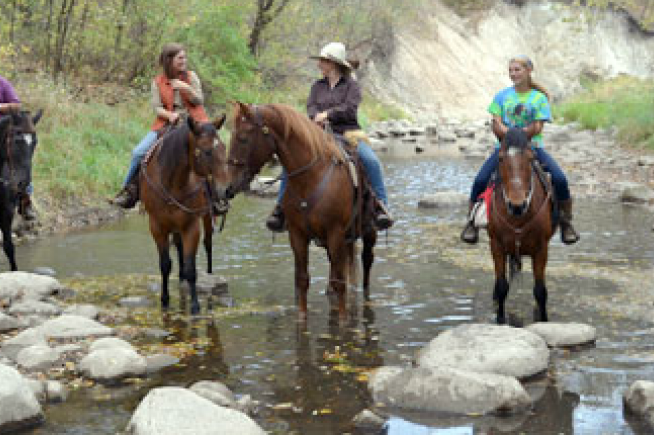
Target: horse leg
[
  {"x": 367, "y": 258},
  {"x": 208, "y": 234},
  {"x": 7, "y": 242},
  {"x": 338, "y": 253},
  {"x": 501, "y": 289},
  {"x": 190, "y": 240},
  {"x": 165, "y": 265},
  {"x": 539, "y": 261},
  {"x": 351, "y": 265},
  {"x": 300, "y": 247},
  {"x": 177, "y": 240}
]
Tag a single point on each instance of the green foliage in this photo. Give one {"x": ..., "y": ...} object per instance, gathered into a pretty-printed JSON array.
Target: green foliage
[{"x": 626, "y": 103}]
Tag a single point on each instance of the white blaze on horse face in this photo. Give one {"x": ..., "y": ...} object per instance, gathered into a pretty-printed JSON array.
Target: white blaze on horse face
[{"x": 28, "y": 138}]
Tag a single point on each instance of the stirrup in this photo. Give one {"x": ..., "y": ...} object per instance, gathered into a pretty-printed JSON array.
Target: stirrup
[{"x": 470, "y": 233}]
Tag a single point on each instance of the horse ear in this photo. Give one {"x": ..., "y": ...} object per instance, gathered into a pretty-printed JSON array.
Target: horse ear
[
  {"x": 218, "y": 123},
  {"x": 192, "y": 125},
  {"x": 245, "y": 110},
  {"x": 37, "y": 117}
]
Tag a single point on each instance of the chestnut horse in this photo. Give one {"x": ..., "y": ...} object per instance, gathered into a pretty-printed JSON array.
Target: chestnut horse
[
  {"x": 181, "y": 183},
  {"x": 521, "y": 221},
  {"x": 320, "y": 202}
]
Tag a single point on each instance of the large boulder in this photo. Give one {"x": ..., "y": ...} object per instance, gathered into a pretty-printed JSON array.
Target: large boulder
[
  {"x": 113, "y": 364},
  {"x": 17, "y": 285},
  {"x": 639, "y": 400},
  {"x": 564, "y": 334},
  {"x": 178, "y": 411},
  {"x": 447, "y": 390},
  {"x": 69, "y": 326},
  {"x": 19, "y": 408},
  {"x": 485, "y": 348},
  {"x": 34, "y": 307}
]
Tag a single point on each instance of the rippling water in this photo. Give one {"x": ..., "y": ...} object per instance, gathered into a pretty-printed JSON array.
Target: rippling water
[{"x": 423, "y": 282}]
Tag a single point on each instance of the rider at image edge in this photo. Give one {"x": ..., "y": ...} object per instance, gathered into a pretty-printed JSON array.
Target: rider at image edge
[
  {"x": 524, "y": 105},
  {"x": 9, "y": 102},
  {"x": 333, "y": 102},
  {"x": 176, "y": 92}
]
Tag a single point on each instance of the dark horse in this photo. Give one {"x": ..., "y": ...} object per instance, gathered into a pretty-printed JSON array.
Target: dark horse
[
  {"x": 180, "y": 183},
  {"x": 521, "y": 221},
  {"x": 17, "y": 144},
  {"x": 321, "y": 202}
]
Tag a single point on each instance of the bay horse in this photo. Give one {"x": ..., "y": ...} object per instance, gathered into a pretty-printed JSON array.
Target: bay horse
[
  {"x": 180, "y": 183},
  {"x": 18, "y": 141},
  {"x": 320, "y": 202},
  {"x": 521, "y": 221}
]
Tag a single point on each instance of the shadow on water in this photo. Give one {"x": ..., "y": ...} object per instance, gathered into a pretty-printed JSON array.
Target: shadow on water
[{"x": 312, "y": 379}]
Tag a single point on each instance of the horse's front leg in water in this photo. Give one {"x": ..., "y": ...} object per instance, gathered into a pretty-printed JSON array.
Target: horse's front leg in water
[
  {"x": 339, "y": 259},
  {"x": 300, "y": 246},
  {"x": 165, "y": 265},
  {"x": 7, "y": 242},
  {"x": 501, "y": 289},
  {"x": 367, "y": 258},
  {"x": 177, "y": 240},
  {"x": 539, "y": 261},
  {"x": 208, "y": 235},
  {"x": 190, "y": 240}
]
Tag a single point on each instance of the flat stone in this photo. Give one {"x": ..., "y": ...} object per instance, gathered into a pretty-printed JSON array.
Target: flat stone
[
  {"x": 45, "y": 271},
  {"x": 110, "y": 343},
  {"x": 113, "y": 364},
  {"x": 160, "y": 361},
  {"x": 166, "y": 411},
  {"x": 8, "y": 323},
  {"x": 69, "y": 326},
  {"x": 216, "y": 392},
  {"x": 135, "y": 302},
  {"x": 37, "y": 357},
  {"x": 84, "y": 310},
  {"x": 34, "y": 307},
  {"x": 639, "y": 400},
  {"x": 485, "y": 348},
  {"x": 24, "y": 285},
  {"x": 564, "y": 334},
  {"x": 636, "y": 193},
  {"x": 443, "y": 200},
  {"x": 444, "y": 389},
  {"x": 26, "y": 338},
  {"x": 19, "y": 408},
  {"x": 211, "y": 284}
]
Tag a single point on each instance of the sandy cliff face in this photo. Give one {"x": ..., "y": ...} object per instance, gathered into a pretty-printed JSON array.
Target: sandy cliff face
[{"x": 453, "y": 66}]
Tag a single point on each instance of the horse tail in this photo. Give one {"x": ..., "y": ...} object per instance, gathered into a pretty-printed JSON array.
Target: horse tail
[{"x": 515, "y": 267}]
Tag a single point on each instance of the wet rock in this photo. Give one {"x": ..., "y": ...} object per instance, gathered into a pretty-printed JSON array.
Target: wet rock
[
  {"x": 444, "y": 389},
  {"x": 443, "y": 200},
  {"x": 166, "y": 411},
  {"x": 216, "y": 392},
  {"x": 639, "y": 400},
  {"x": 45, "y": 271},
  {"x": 211, "y": 284},
  {"x": 83, "y": 310},
  {"x": 135, "y": 302},
  {"x": 160, "y": 361},
  {"x": 564, "y": 334},
  {"x": 69, "y": 326},
  {"x": 37, "y": 357},
  {"x": 26, "y": 338},
  {"x": 485, "y": 348},
  {"x": 367, "y": 420},
  {"x": 113, "y": 364},
  {"x": 8, "y": 323},
  {"x": 19, "y": 408},
  {"x": 34, "y": 307},
  {"x": 24, "y": 285},
  {"x": 55, "y": 391},
  {"x": 636, "y": 193},
  {"x": 247, "y": 405},
  {"x": 110, "y": 343}
]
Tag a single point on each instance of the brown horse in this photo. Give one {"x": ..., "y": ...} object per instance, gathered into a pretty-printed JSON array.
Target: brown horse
[
  {"x": 521, "y": 221},
  {"x": 182, "y": 181},
  {"x": 320, "y": 203}
]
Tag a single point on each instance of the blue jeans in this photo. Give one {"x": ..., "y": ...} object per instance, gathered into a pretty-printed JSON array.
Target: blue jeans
[
  {"x": 373, "y": 169},
  {"x": 138, "y": 153},
  {"x": 559, "y": 181}
]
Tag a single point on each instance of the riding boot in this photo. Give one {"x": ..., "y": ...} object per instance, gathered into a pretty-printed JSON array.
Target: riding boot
[
  {"x": 383, "y": 218},
  {"x": 275, "y": 222},
  {"x": 26, "y": 209},
  {"x": 129, "y": 195},
  {"x": 470, "y": 233},
  {"x": 568, "y": 233}
]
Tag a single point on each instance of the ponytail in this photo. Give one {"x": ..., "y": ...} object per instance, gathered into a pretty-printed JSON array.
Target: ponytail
[{"x": 539, "y": 88}]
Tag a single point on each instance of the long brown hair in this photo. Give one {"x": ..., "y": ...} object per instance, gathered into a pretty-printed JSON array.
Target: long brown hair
[
  {"x": 529, "y": 65},
  {"x": 168, "y": 53}
]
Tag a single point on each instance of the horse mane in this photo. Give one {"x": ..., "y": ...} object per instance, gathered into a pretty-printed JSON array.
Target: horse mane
[
  {"x": 296, "y": 124},
  {"x": 173, "y": 151},
  {"x": 516, "y": 138}
]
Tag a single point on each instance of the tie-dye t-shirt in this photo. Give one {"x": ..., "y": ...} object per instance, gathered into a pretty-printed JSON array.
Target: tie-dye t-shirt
[{"x": 521, "y": 109}]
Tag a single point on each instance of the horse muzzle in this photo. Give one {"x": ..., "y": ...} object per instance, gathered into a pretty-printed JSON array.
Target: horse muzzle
[{"x": 517, "y": 210}]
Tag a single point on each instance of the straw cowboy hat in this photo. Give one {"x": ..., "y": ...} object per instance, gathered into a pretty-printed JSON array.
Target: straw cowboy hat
[{"x": 335, "y": 52}]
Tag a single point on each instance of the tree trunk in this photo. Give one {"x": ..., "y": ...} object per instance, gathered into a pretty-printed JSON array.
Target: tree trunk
[{"x": 265, "y": 15}]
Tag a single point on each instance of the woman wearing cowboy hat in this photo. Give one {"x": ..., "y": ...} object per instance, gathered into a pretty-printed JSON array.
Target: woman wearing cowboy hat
[{"x": 334, "y": 101}]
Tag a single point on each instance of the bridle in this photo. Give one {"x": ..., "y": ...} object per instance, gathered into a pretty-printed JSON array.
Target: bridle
[{"x": 525, "y": 205}]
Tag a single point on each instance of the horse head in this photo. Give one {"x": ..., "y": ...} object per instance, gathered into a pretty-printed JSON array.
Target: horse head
[
  {"x": 208, "y": 154},
  {"x": 515, "y": 167},
  {"x": 252, "y": 145},
  {"x": 18, "y": 142}
]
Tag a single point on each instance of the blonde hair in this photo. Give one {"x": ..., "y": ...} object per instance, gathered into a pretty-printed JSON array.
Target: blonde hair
[{"x": 528, "y": 64}]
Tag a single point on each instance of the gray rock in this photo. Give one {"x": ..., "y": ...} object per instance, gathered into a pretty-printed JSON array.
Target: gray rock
[
  {"x": 646, "y": 161},
  {"x": 38, "y": 388},
  {"x": 166, "y": 411},
  {"x": 443, "y": 200},
  {"x": 45, "y": 271},
  {"x": 33, "y": 320},
  {"x": 211, "y": 284},
  {"x": 216, "y": 392},
  {"x": 135, "y": 302},
  {"x": 639, "y": 400},
  {"x": 34, "y": 307},
  {"x": 113, "y": 364},
  {"x": 8, "y": 323},
  {"x": 160, "y": 361},
  {"x": 84, "y": 310},
  {"x": 110, "y": 343},
  {"x": 19, "y": 408},
  {"x": 564, "y": 334},
  {"x": 448, "y": 390},
  {"x": 55, "y": 391},
  {"x": 486, "y": 348},
  {"x": 447, "y": 137},
  {"x": 367, "y": 420},
  {"x": 247, "y": 405},
  {"x": 69, "y": 326},
  {"x": 636, "y": 193},
  {"x": 17, "y": 285},
  {"x": 26, "y": 338},
  {"x": 37, "y": 357}
]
